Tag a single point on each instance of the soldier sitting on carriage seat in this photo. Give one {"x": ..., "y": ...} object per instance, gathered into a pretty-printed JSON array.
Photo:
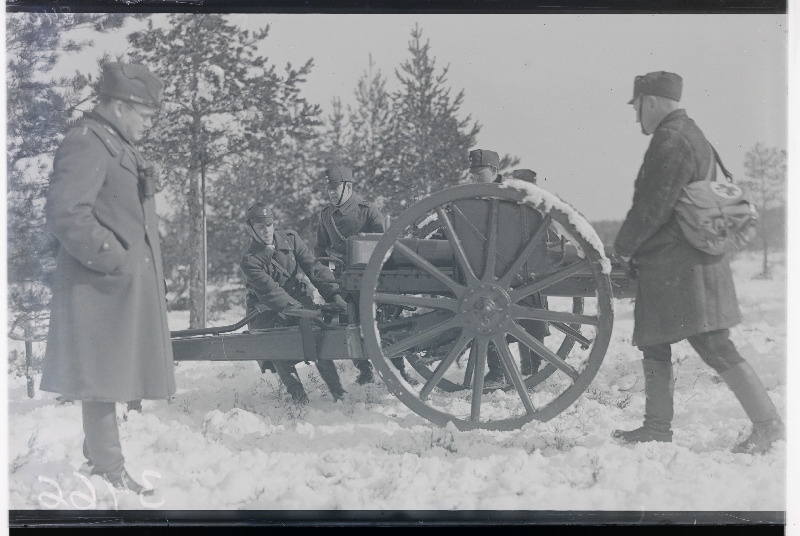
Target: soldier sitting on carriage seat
[
  {"x": 483, "y": 166},
  {"x": 273, "y": 266},
  {"x": 347, "y": 214}
]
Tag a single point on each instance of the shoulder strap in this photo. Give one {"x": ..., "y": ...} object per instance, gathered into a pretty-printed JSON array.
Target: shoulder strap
[
  {"x": 331, "y": 226},
  {"x": 280, "y": 268},
  {"x": 108, "y": 138},
  {"x": 718, "y": 160}
]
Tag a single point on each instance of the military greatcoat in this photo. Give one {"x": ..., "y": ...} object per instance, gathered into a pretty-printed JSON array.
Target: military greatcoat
[
  {"x": 681, "y": 291},
  {"x": 336, "y": 224},
  {"x": 108, "y": 338},
  {"x": 274, "y": 274}
]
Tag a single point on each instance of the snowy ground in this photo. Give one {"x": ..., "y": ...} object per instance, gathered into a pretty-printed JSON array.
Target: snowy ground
[{"x": 231, "y": 439}]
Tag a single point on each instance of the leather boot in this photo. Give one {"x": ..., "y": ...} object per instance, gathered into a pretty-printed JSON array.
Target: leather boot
[
  {"x": 123, "y": 481},
  {"x": 101, "y": 444},
  {"x": 659, "y": 383},
  {"x": 495, "y": 377},
  {"x": 289, "y": 377},
  {"x": 529, "y": 362},
  {"x": 331, "y": 378},
  {"x": 767, "y": 424},
  {"x": 365, "y": 374},
  {"x": 400, "y": 364}
]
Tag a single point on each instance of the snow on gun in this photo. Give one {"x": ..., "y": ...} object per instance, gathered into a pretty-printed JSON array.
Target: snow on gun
[{"x": 451, "y": 303}]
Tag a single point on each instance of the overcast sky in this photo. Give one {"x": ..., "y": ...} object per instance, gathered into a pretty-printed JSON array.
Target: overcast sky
[{"x": 553, "y": 89}]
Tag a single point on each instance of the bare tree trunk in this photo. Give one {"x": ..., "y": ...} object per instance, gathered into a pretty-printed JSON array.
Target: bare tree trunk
[
  {"x": 197, "y": 294},
  {"x": 764, "y": 248}
]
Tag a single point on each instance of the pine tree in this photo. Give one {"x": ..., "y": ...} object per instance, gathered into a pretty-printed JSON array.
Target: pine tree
[
  {"x": 40, "y": 109},
  {"x": 429, "y": 140},
  {"x": 231, "y": 130},
  {"x": 765, "y": 172},
  {"x": 370, "y": 125}
]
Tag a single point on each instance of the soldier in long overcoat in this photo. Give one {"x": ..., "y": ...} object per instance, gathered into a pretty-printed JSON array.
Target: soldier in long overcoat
[
  {"x": 348, "y": 214},
  {"x": 682, "y": 292},
  {"x": 273, "y": 267},
  {"x": 108, "y": 338}
]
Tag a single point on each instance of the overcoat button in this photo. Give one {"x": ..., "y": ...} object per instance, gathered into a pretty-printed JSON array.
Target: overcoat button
[
  {"x": 89, "y": 263},
  {"x": 147, "y": 259},
  {"x": 105, "y": 246}
]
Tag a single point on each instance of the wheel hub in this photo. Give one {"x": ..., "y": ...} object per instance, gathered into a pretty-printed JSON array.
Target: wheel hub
[{"x": 485, "y": 308}]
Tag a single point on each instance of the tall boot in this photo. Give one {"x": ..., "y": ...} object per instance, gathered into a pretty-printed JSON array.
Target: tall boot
[
  {"x": 288, "y": 375},
  {"x": 400, "y": 364},
  {"x": 331, "y": 378},
  {"x": 495, "y": 377},
  {"x": 365, "y": 374},
  {"x": 529, "y": 362},
  {"x": 659, "y": 383},
  {"x": 101, "y": 443},
  {"x": 767, "y": 424}
]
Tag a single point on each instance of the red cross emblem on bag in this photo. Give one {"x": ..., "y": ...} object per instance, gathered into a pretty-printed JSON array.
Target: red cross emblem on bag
[{"x": 725, "y": 190}]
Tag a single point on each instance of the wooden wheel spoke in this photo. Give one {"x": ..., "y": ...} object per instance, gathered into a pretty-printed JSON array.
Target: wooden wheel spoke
[
  {"x": 433, "y": 271},
  {"x": 477, "y": 384},
  {"x": 513, "y": 372},
  {"x": 473, "y": 356},
  {"x": 420, "y": 337},
  {"x": 574, "y": 333},
  {"x": 540, "y": 349},
  {"x": 491, "y": 243},
  {"x": 458, "y": 247},
  {"x": 535, "y": 240},
  {"x": 570, "y": 270},
  {"x": 445, "y": 303},
  {"x": 534, "y": 313},
  {"x": 455, "y": 351}
]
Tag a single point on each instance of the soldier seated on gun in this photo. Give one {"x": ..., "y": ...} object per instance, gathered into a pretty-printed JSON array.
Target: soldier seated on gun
[
  {"x": 273, "y": 266},
  {"x": 483, "y": 167},
  {"x": 347, "y": 214}
]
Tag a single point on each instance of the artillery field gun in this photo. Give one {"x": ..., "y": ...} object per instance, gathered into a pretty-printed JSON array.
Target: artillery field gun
[{"x": 443, "y": 287}]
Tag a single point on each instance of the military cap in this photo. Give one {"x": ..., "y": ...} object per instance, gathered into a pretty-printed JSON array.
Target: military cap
[
  {"x": 337, "y": 174},
  {"x": 527, "y": 175},
  {"x": 482, "y": 157},
  {"x": 658, "y": 83},
  {"x": 131, "y": 82},
  {"x": 259, "y": 212}
]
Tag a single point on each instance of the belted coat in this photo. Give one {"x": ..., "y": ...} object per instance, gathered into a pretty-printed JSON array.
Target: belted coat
[
  {"x": 681, "y": 291},
  {"x": 108, "y": 338},
  {"x": 336, "y": 224},
  {"x": 273, "y": 277}
]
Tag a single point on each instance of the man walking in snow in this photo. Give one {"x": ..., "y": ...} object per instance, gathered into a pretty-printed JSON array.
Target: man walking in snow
[
  {"x": 682, "y": 292},
  {"x": 108, "y": 339}
]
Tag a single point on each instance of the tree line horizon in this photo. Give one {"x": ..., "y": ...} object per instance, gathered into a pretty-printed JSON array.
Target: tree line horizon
[{"x": 235, "y": 129}]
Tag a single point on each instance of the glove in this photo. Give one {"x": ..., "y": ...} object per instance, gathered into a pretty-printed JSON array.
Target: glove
[
  {"x": 630, "y": 265},
  {"x": 338, "y": 300},
  {"x": 293, "y": 305}
]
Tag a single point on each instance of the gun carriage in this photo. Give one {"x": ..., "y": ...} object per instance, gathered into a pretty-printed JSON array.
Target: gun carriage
[{"x": 446, "y": 286}]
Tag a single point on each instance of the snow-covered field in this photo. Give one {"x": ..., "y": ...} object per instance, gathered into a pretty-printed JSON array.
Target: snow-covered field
[{"x": 231, "y": 439}]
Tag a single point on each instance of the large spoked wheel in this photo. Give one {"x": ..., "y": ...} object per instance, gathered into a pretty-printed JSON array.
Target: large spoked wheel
[
  {"x": 480, "y": 306},
  {"x": 423, "y": 364},
  {"x": 432, "y": 228}
]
